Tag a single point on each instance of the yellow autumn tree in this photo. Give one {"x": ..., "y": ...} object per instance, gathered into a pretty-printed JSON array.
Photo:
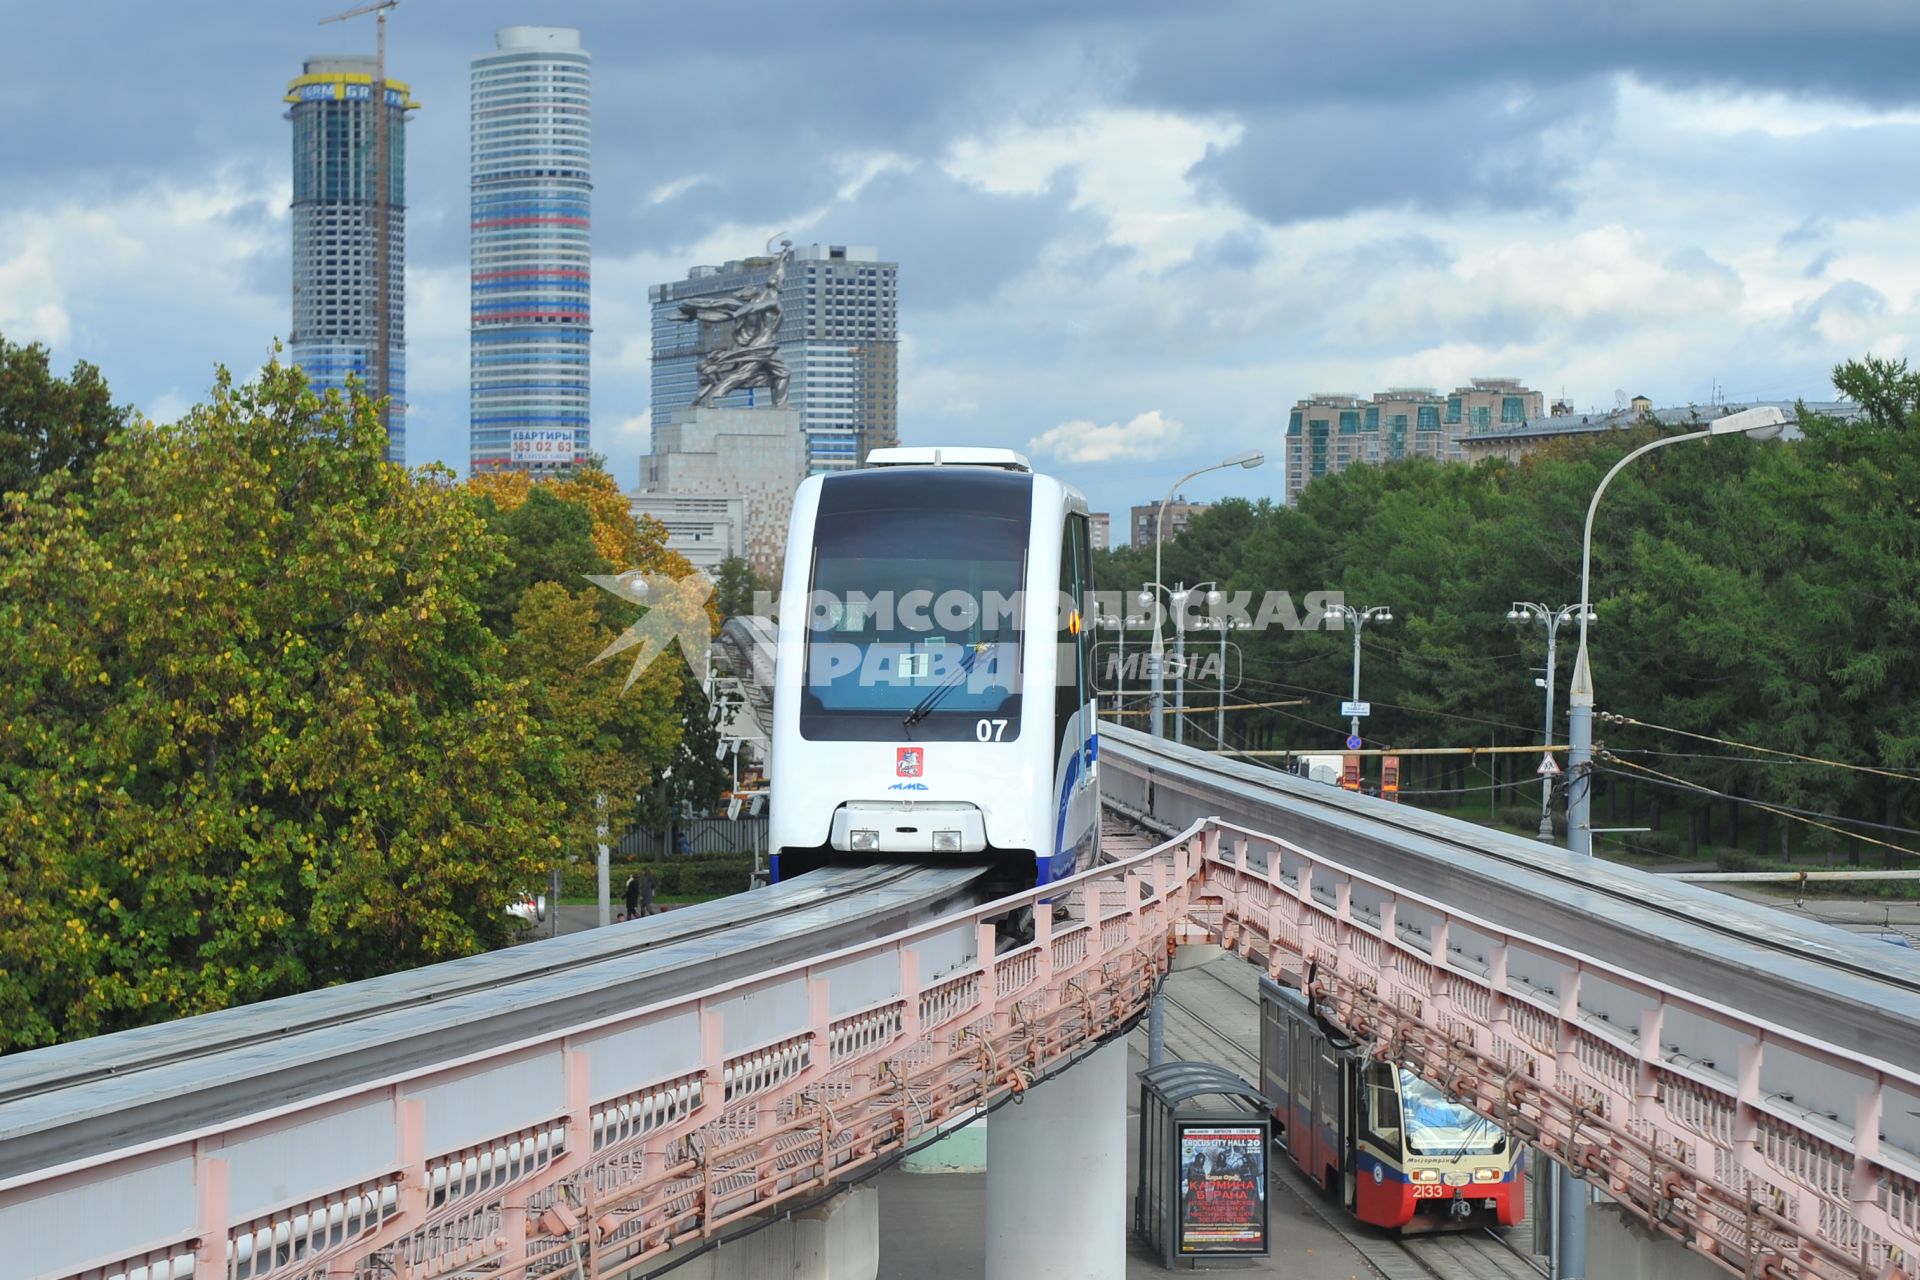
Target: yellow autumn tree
[{"x": 622, "y": 540}]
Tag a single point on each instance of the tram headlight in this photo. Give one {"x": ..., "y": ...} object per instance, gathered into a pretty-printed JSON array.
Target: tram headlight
[
  {"x": 946, "y": 842},
  {"x": 863, "y": 840},
  {"x": 1486, "y": 1175},
  {"x": 1425, "y": 1175}
]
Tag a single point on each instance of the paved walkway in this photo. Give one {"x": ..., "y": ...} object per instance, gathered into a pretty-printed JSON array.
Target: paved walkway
[{"x": 575, "y": 920}]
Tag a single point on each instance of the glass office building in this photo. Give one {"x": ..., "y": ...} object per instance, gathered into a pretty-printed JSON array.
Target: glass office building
[
  {"x": 532, "y": 268},
  {"x": 335, "y": 294},
  {"x": 839, "y": 337}
]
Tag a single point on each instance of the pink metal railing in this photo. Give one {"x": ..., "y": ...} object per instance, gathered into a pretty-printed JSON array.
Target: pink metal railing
[
  {"x": 1753, "y": 1182},
  {"x": 1759, "y": 1185}
]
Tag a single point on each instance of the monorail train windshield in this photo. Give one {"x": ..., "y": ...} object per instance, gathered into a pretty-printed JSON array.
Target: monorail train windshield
[
  {"x": 914, "y": 623},
  {"x": 1439, "y": 1127}
]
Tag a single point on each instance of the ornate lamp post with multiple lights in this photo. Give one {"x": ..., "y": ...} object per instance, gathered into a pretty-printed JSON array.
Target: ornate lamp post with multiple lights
[
  {"x": 1359, "y": 618},
  {"x": 1521, "y": 611}
]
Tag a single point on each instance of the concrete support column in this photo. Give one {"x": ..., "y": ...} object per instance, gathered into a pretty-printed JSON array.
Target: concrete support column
[
  {"x": 1624, "y": 1248},
  {"x": 1570, "y": 1226},
  {"x": 1057, "y": 1176}
]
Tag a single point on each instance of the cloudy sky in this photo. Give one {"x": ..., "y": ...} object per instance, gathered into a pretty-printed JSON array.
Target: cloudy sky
[{"x": 1130, "y": 234}]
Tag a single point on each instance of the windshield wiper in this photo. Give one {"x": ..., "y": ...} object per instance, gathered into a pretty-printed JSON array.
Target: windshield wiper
[
  {"x": 1466, "y": 1141},
  {"x": 945, "y": 687}
]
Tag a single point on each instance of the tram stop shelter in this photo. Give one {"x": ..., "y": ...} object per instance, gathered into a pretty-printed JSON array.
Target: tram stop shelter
[{"x": 1204, "y": 1135}]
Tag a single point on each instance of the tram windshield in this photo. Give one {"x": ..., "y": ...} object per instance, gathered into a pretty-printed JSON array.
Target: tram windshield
[
  {"x": 1437, "y": 1126},
  {"x": 914, "y": 619}
]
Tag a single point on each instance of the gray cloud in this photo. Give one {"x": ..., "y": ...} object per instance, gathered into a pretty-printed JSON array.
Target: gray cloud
[
  {"x": 1022, "y": 313},
  {"x": 1487, "y": 148},
  {"x": 1405, "y": 51},
  {"x": 1847, "y": 303},
  {"x": 956, "y": 243}
]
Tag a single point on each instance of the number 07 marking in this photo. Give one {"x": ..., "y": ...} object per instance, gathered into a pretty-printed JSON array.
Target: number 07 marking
[{"x": 990, "y": 730}]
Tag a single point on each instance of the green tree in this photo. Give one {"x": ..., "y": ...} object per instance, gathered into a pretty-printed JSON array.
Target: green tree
[
  {"x": 50, "y": 426},
  {"x": 734, "y": 586},
  {"x": 612, "y": 740},
  {"x": 546, "y": 539},
  {"x": 256, "y": 735},
  {"x": 623, "y": 743}
]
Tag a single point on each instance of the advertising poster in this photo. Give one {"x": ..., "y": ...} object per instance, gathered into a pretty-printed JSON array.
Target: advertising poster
[
  {"x": 542, "y": 446},
  {"x": 1223, "y": 1189}
]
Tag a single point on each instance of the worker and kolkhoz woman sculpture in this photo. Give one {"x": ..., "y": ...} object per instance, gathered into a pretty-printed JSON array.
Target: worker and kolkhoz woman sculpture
[{"x": 751, "y": 357}]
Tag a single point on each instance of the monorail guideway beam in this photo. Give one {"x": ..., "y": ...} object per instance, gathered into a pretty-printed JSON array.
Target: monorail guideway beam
[{"x": 598, "y": 1145}]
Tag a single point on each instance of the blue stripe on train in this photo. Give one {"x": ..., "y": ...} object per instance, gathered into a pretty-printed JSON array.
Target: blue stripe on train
[{"x": 1088, "y": 751}]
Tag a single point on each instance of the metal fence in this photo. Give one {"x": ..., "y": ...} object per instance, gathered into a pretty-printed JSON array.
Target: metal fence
[{"x": 687, "y": 837}]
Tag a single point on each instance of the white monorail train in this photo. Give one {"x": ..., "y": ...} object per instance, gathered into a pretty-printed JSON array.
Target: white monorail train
[{"x": 933, "y": 697}]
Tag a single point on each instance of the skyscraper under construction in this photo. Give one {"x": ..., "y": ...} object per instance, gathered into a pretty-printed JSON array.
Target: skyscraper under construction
[{"x": 336, "y": 299}]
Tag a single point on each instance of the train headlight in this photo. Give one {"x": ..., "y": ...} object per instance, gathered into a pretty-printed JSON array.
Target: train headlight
[
  {"x": 863, "y": 840},
  {"x": 1426, "y": 1175},
  {"x": 1486, "y": 1175},
  {"x": 946, "y": 842}
]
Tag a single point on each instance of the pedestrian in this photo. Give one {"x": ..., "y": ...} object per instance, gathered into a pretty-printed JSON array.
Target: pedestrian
[
  {"x": 646, "y": 891},
  {"x": 633, "y": 897}
]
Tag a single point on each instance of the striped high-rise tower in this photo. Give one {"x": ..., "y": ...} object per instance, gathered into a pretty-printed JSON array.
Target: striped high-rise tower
[
  {"x": 335, "y": 295},
  {"x": 532, "y": 185}
]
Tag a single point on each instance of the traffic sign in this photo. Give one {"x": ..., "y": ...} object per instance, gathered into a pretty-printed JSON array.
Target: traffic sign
[
  {"x": 1353, "y": 742},
  {"x": 1356, "y": 708},
  {"x": 1548, "y": 769}
]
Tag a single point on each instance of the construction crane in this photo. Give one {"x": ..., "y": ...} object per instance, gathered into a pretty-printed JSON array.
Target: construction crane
[{"x": 378, "y": 364}]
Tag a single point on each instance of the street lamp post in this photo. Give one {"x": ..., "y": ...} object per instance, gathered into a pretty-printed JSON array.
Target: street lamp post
[
  {"x": 1521, "y": 611},
  {"x": 1762, "y": 423},
  {"x": 1157, "y": 662},
  {"x": 1359, "y": 618}
]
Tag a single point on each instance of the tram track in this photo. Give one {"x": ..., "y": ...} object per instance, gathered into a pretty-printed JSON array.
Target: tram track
[{"x": 1478, "y": 1254}]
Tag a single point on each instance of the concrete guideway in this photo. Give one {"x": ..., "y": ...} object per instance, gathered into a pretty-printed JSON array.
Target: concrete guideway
[
  {"x": 1794, "y": 972},
  {"x": 607, "y": 1140},
  {"x": 614, "y": 1139}
]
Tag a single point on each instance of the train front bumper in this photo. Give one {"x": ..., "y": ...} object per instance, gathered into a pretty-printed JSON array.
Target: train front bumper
[{"x": 944, "y": 828}]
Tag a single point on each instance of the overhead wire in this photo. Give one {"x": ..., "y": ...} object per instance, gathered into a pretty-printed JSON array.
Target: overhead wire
[
  {"x": 1708, "y": 792},
  {"x": 1721, "y": 755},
  {"x": 1266, "y": 762},
  {"x": 1397, "y": 706},
  {"x": 1784, "y": 812},
  {"x": 1614, "y": 717},
  {"x": 1461, "y": 791}
]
